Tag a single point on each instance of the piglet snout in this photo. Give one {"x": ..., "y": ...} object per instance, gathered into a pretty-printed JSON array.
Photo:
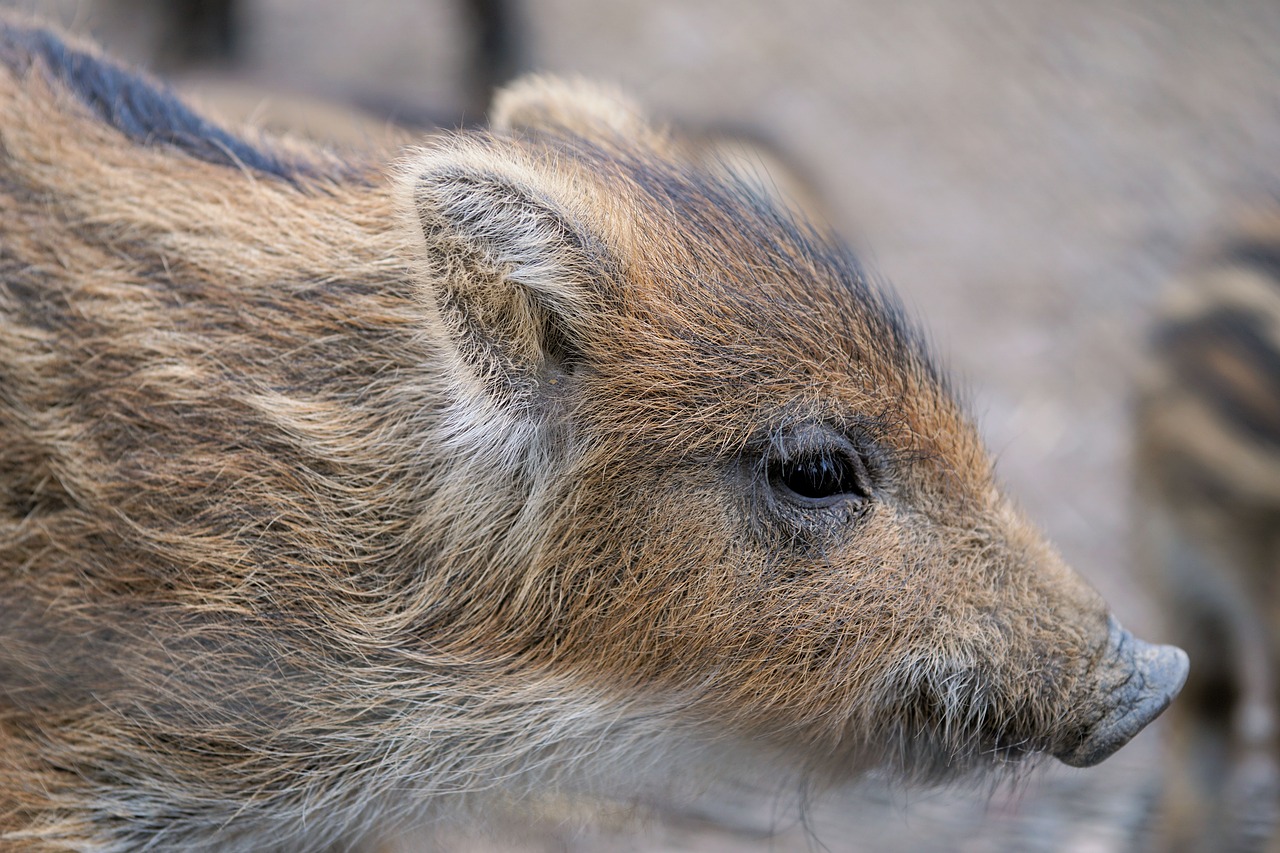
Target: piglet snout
[{"x": 1136, "y": 682}]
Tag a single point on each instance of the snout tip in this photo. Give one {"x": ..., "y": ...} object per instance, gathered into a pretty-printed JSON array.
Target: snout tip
[{"x": 1153, "y": 677}]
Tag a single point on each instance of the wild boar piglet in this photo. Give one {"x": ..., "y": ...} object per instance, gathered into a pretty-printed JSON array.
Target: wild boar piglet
[{"x": 336, "y": 492}]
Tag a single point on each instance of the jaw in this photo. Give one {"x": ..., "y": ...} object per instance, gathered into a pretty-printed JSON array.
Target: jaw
[{"x": 950, "y": 723}]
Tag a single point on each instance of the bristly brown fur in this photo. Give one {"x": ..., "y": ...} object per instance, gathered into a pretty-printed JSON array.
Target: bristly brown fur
[{"x": 332, "y": 493}]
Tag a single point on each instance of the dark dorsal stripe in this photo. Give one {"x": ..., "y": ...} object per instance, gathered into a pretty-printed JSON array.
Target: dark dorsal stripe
[
  {"x": 1229, "y": 360},
  {"x": 1255, "y": 254},
  {"x": 147, "y": 112}
]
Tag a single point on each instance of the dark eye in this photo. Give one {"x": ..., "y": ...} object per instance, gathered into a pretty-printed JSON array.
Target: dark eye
[{"x": 820, "y": 479}]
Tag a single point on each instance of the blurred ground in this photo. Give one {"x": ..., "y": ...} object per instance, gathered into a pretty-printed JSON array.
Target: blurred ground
[{"x": 1026, "y": 174}]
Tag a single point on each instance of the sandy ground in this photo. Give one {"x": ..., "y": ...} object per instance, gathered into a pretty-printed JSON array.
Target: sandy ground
[{"x": 1027, "y": 174}]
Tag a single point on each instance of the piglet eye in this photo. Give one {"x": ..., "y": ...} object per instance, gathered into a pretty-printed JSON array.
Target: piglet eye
[{"x": 820, "y": 479}]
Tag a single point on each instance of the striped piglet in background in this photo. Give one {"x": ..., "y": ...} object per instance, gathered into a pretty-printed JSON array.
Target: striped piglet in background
[{"x": 1208, "y": 461}]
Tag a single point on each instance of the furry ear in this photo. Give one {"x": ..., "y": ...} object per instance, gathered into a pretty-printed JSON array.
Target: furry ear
[
  {"x": 551, "y": 104},
  {"x": 509, "y": 270}
]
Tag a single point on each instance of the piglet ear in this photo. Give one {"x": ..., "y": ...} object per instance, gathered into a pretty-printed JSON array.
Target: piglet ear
[
  {"x": 585, "y": 109},
  {"x": 511, "y": 273}
]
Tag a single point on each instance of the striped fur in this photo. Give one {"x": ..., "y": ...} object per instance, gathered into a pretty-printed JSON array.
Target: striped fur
[
  {"x": 336, "y": 495},
  {"x": 1209, "y": 466}
]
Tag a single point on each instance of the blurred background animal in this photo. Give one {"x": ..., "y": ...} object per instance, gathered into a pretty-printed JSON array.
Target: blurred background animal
[{"x": 1208, "y": 464}]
